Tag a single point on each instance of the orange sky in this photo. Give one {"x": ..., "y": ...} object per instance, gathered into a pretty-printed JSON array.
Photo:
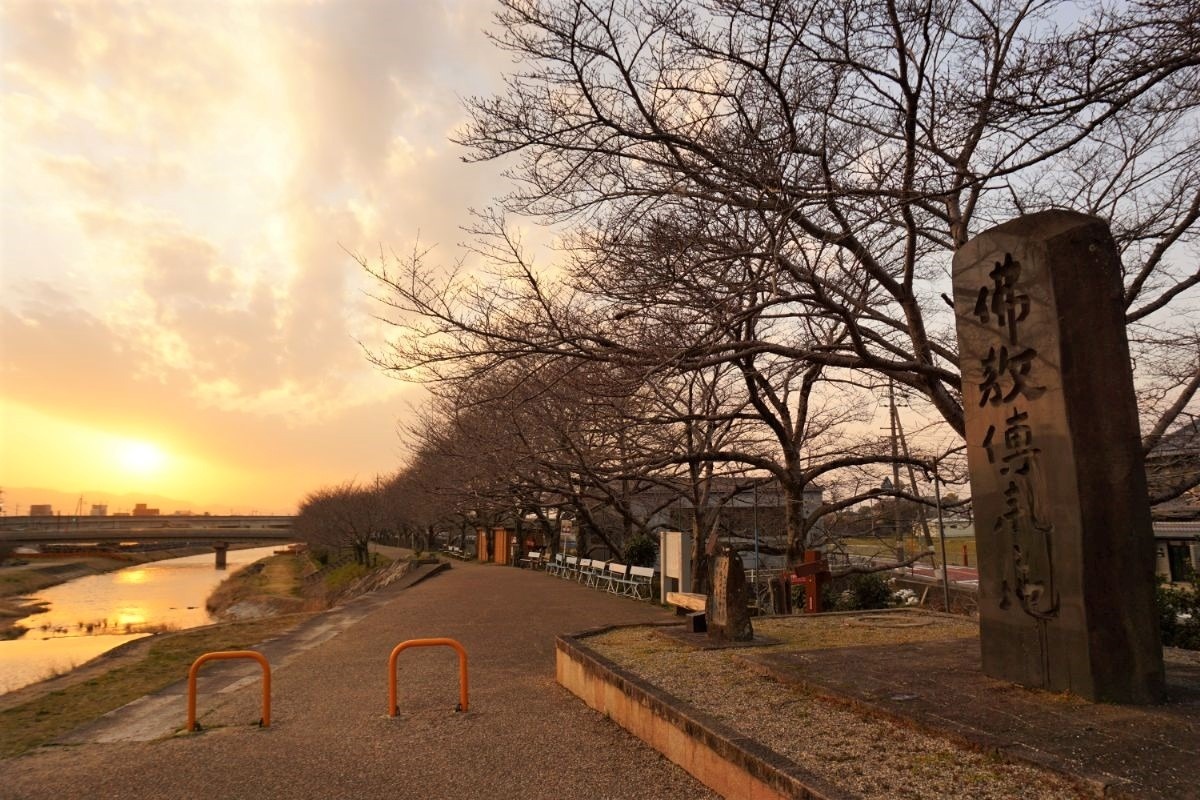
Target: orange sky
[{"x": 178, "y": 314}]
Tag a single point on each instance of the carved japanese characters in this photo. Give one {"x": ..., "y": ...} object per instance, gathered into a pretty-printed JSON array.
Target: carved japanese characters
[{"x": 1062, "y": 522}]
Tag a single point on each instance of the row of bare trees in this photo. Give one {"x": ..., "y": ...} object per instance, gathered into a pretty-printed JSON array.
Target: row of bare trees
[{"x": 757, "y": 202}]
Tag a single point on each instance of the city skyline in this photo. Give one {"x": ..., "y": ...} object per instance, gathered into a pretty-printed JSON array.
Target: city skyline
[{"x": 180, "y": 314}]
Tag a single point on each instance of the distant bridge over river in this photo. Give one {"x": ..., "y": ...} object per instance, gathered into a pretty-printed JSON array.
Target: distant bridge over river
[{"x": 78, "y": 530}]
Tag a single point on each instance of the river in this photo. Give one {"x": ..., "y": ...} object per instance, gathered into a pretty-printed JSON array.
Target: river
[{"x": 92, "y": 615}]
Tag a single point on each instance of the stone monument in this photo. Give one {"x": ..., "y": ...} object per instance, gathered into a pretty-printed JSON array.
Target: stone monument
[
  {"x": 728, "y": 608},
  {"x": 1062, "y": 521}
]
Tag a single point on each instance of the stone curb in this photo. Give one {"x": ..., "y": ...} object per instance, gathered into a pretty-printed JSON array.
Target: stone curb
[{"x": 725, "y": 761}]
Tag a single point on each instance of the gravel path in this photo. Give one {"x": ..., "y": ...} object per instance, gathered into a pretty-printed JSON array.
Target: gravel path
[{"x": 523, "y": 737}]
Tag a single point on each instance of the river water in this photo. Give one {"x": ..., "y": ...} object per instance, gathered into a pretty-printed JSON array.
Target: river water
[{"x": 92, "y": 615}]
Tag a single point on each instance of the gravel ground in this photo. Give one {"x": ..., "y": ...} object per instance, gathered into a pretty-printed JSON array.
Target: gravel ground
[{"x": 870, "y": 756}]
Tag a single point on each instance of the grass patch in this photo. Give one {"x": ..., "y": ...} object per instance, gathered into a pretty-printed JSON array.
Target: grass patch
[
  {"x": 886, "y": 547},
  {"x": 275, "y": 580},
  {"x": 16, "y": 581},
  {"x": 52, "y": 715},
  {"x": 341, "y": 577}
]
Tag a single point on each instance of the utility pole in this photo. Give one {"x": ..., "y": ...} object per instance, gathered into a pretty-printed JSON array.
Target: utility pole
[
  {"x": 937, "y": 498},
  {"x": 899, "y": 442},
  {"x": 757, "y": 565},
  {"x": 894, "y": 421}
]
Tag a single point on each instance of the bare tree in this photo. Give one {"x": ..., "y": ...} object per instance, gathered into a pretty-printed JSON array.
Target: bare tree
[
  {"x": 847, "y": 150},
  {"x": 345, "y": 516}
]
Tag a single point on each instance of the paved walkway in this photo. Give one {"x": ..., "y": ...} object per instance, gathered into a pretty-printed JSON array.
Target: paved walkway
[{"x": 330, "y": 736}]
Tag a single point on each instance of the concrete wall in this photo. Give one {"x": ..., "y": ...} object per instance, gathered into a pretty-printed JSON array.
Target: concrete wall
[{"x": 731, "y": 765}]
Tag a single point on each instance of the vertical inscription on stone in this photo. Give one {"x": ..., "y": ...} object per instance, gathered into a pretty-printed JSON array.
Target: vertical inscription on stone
[
  {"x": 1062, "y": 522},
  {"x": 1011, "y": 387}
]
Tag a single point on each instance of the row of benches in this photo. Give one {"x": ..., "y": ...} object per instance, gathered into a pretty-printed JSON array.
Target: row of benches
[{"x": 622, "y": 579}]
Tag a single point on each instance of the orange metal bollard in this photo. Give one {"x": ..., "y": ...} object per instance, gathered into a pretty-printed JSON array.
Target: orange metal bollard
[
  {"x": 265, "y": 722},
  {"x": 462, "y": 669}
]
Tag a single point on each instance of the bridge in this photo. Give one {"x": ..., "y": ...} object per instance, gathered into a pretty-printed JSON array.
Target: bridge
[{"x": 220, "y": 531}]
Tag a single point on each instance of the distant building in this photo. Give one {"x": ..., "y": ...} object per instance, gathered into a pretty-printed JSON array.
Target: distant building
[
  {"x": 100, "y": 510},
  {"x": 1177, "y": 550},
  {"x": 140, "y": 510},
  {"x": 41, "y": 510}
]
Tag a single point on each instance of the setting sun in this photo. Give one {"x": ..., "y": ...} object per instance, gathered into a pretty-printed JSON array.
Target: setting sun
[{"x": 142, "y": 458}]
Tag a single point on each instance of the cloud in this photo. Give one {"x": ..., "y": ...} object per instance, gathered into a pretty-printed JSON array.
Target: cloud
[{"x": 186, "y": 179}]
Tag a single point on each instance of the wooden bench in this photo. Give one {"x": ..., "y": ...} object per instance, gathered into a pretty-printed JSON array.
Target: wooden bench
[
  {"x": 530, "y": 560},
  {"x": 691, "y": 604},
  {"x": 456, "y": 552}
]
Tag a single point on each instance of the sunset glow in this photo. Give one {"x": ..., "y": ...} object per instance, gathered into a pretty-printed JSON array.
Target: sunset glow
[
  {"x": 141, "y": 458},
  {"x": 178, "y": 312}
]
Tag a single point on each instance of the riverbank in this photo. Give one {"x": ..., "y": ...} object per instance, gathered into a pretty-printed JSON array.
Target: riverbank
[
  {"x": 288, "y": 583},
  {"x": 37, "y": 714},
  {"x": 260, "y": 602},
  {"x": 266, "y": 588}
]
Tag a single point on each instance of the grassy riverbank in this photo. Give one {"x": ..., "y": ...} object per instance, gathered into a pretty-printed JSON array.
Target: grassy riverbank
[
  {"x": 43, "y": 712},
  {"x": 272, "y": 595},
  {"x": 271, "y": 586},
  {"x": 287, "y": 583}
]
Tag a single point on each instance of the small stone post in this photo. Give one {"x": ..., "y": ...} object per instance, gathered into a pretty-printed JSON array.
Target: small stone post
[
  {"x": 1062, "y": 521},
  {"x": 728, "y": 611}
]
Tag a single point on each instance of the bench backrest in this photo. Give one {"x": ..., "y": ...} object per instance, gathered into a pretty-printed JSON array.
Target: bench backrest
[
  {"x": 642, "y": 572},
  {"x": 618, "y": 569},
  {"x": 572, "y": 561}
]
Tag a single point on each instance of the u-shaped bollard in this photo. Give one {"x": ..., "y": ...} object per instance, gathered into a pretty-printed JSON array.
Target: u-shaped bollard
[
  {"x": 462, "y": 669},
  {"x": 222, "y": 656}
]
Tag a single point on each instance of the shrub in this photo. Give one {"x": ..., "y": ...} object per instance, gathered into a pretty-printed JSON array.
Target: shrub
[
  {"x": 641, "y": 551},
  {"x": 857, "y": 592},
  {"x": 1178, "y": 615}
]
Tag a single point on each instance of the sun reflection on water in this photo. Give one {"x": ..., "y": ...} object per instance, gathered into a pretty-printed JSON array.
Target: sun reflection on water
[
  {"x": 132, "y": 576},
  {"x": 130, "y": 617}
]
